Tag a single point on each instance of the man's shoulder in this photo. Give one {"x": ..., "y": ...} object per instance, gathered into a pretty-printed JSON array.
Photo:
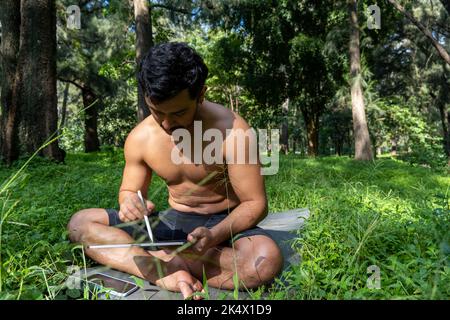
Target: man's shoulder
[
  {"x": 226, "y": 119},
  {"x": 140, "y": 134},
  {"x": 143, "y": 130}
]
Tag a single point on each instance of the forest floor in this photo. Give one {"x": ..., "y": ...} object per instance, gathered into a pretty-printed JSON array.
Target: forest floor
[{"x": 387, "y": 214}]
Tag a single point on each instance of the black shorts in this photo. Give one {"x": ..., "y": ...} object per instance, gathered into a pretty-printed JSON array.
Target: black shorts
[{"x": 176, "y": 225}]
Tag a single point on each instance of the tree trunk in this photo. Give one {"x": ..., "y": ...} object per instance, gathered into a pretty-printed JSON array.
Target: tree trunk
[
  {"x": 445, "y": 120},
  {"x": 284, "y": 137},
  {"x": 91, "y": 142},
  {"x": 394, "y": 145},
  {"x": 441, "y": 50},
  {"x": 230, "y": 97},
  {"x": 448, "y": 138},
  {"x": 64, "y": 106},
  {"x": 338, "y": 147},
  {"x": 312, "y": 134},
  {"x": 144, "y": 41},
  {"x": 9, "y": 48},
  {"x": 34, "y": 99},
  {"x": 363, "y": 148}
]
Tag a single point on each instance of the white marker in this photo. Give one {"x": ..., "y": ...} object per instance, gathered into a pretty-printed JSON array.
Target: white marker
[{"x": 149, "y": 228}]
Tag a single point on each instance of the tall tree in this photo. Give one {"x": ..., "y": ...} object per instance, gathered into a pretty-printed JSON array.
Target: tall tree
[
  {"x": 363, "y": 147},
  {"x": 32, "y": 109},
  {"x": 144, "y": 41},
  {"x": 10, "y": 21},
  {"x": 311, "y": 83}
]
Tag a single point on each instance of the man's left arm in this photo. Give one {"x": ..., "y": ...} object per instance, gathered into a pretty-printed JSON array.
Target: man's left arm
[{"x": 248, "y": 184}]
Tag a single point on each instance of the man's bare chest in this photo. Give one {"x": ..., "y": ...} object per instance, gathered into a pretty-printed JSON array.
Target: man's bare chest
[{"x": 161, "y": 161}]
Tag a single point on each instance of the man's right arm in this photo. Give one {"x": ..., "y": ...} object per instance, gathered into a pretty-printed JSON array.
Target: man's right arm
[{"x": 136, "y": 176}]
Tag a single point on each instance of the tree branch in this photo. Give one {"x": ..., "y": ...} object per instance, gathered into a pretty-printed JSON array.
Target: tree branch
[
  {"x": 442, "y": 52},
  {"x": 79, "y": 86}
]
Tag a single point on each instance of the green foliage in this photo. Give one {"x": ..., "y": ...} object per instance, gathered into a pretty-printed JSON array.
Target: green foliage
[
  {"x": 384, "y": 213},
  {"x": 73, "y": 136},
  {"x": 417, "y": 142},
  {"x": 34, "y": 237},
  {"x": 117, "y": 119}
]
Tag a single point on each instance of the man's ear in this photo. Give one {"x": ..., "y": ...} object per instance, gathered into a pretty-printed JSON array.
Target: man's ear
[{"x": 201, "y": 96}]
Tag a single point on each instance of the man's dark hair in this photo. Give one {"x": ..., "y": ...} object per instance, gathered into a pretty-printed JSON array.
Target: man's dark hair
[{"x": 169, "y": 68}]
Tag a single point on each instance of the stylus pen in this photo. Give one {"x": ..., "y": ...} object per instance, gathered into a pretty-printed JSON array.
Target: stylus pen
[
  {"x": 149, "y": 228},
  {"x": 128, "y": 245}
]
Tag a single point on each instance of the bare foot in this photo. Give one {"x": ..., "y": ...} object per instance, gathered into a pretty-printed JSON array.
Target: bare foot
[
  {"x": 177, "y": 276},
  {"x": 181, "y": 281}
]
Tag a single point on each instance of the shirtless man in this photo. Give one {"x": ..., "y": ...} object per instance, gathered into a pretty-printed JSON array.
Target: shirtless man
[{"x": 210, "y": 204}]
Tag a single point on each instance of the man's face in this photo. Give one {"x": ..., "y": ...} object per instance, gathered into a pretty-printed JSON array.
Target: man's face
[{"x": 177, "y": 112}]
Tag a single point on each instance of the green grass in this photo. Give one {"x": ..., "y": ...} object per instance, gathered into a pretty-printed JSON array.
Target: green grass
[{"x": 386, "y": 213}]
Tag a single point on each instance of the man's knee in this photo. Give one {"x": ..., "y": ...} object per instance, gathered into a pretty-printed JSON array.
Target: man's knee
[
  {"x": 264, "y": 265},
  {"x": 80, "y": 222}
]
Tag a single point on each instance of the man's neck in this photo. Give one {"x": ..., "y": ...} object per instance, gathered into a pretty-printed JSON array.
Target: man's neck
[{"x": 197, "y": 116}]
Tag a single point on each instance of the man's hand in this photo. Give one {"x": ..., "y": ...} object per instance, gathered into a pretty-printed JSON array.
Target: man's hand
[
  {"x": 202, "y": 238},
  {"x": 131, "y": 208}
]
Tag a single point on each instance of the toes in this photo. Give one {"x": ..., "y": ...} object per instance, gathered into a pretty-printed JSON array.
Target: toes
[
  {"x": 185, "y": 289},
  {"x": 198, "y": 288},
  {"x": 188, "y": 290}
]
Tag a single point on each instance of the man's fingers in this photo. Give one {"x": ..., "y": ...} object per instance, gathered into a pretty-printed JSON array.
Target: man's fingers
[
  {"x": 191, "y": 238},
  {"x": 197, "y": 233},
  {"x": 139, "y": 208},
  {"x": 150, "y": 205},
  {"x": 122, "y": 217},
  {"x": 131, "y": 213}
]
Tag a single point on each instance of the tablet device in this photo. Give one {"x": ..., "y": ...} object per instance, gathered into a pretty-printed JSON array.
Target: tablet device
[{"x": 109, "y": 284}]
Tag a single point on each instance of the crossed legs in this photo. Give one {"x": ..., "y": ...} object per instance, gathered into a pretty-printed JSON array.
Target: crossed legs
[{"x": 256, "y": 259}]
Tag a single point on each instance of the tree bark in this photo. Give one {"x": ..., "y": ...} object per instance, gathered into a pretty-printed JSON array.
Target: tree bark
[
  {"x": 64, "y": 106},
  {"x": 284, "y": 137},
  {"x": 448, "y": 138},
  {"x": 230, "y": 98},
  {"x": 445, "y": 120},
  {"x": 441, "y": 50},
  {"x": 444, "y": 112},
  {"x": 32, "y": 115},
  {"x": 144, "y": 41},
  {"x": 440, "y": 101},
  {"x": 9, "y": 48},
  {"x": 91, "y": 141},
  {"x": 363, "y": 147},
  {"x": 312, "y": 134},
  {"x": 38, "y": 46}
]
